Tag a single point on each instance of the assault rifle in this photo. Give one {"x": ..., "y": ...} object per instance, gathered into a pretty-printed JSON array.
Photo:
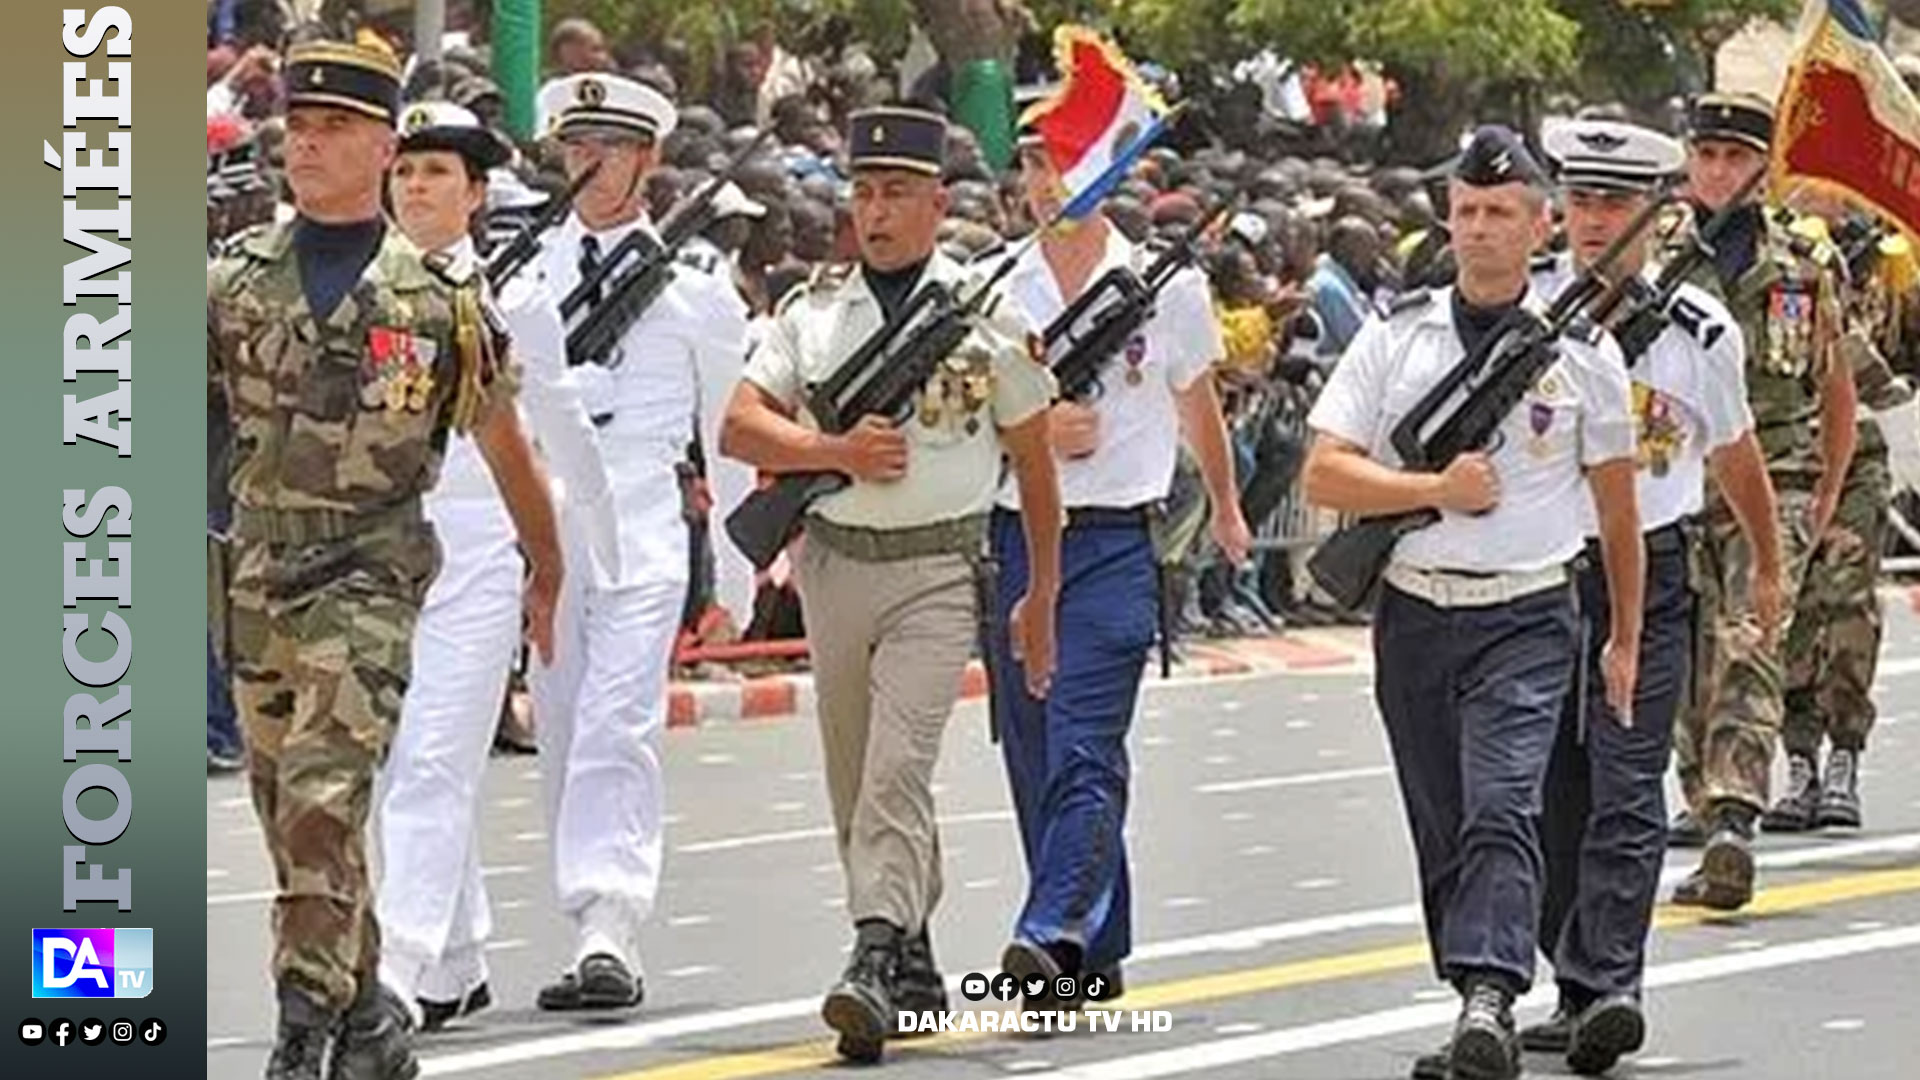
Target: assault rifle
[
  {"x": 1463, "y": 413},
  {"x": 595, "y": 339},
  {"x": 1085, "y": 338},
  {"x": 1646, "y": 309},
  {"x": 881, "y": 378},
  {"x": 516, "y": 253}
]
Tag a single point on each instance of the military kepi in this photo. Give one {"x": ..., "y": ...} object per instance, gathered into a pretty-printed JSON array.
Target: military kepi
[
  {"x": 1496, "y": 155},
  {"x": 1741, "y": 118},
  {"x": 593, "y": 103},
  {"x": 1608, "y": 155},
  {"x": 442, "y": 125},
  {"x": 897, "y": 137},
  {"x": 342, "y": 76}
]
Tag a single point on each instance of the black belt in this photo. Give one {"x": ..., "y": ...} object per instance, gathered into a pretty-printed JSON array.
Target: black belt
[
  {"x": 1097, "y": 517},
  {"x": 1670, "y": 539}
]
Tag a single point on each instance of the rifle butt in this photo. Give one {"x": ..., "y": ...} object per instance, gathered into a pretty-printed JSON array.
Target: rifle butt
[{"x": 766, "y": 521}]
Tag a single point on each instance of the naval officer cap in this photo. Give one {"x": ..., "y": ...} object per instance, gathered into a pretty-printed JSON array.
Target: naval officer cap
[
  {"x": 334, "y": 74},
  {"x": 1496, "y": 155},
  {"x": 1742, "y": 118},
  {"x": 897, "y": 137},
  {"x": 1610, "y": 155},
  {"x": 593, "y": 103},
  {"x": 442, "y": 125}
]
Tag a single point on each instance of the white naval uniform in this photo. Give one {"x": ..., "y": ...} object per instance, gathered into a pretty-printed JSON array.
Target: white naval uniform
[
  {"x": 1689, "y": 397},
  {"x": 1575, "y": 416},
  {"x": 432, "y": 907},
  {"x": 728, "y": 481},
  {"x": 602, "y": 708},
  {"x": 1139, "y": 419}
]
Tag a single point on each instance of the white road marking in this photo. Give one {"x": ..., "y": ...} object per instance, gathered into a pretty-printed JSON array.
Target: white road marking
[
  {"x": 1844, "y": 1024},
  {"x": 531, "y": 776},
  {"x": 1315, "y": 884},
  {"x": 1258, "y": 849},
  {"x": 1226, "y": 732},
  {"x": 834, "y": 903},
  {"x": 1434, "y": 995},
  {"x": 533, "y": 837},
  {"x": 1238, "y": 1029},
  {"x": 788, "y": 807},
  {"x": 673, "y": 819},
  {"x": 797, "y": 777},
  {"x": 1231, "y": 706},
  {"x": 1866, "y": 926},
  {"x": 1330, "y": 753},
  {"x": 213, "y": 874},
  {"x": 1659, "y": 1063},
  {"x": 514, "y": 803},
  {"x": 690, "y": 920},
  {"x": 716, "y": 759},
  {"x": 1152, "y": 714},
  {"x": 509, "y": 943},
  {"x": 1237, "y": 815},
  {"x": 1746, "y": 945},
  {"x": 1298, "y": 725},
  {"x": 820, "y": 832},
  {"x": 1035, "y": 1065},
  {"x": 1263, "y": 783},
  {"x": 826, "y": 868},
  {"x": 1185, "y": 901},
  {"x": 1217, "y": 759},
  {"x": 262, "y": 895},
  {"x": 1907, "y": 665},
  {"x": 1220, "y": 1054},
  {"x": 510, "y": 905},
  {"x": 1155, "y": 740},
  {"x": 225, "y": 1041},
  {"x": 1309, "y": 698},
  {"x": 634, "y": 1036},
  {"x": 244, "y": 800},
  {"x": 691, "y": 970},
  {"x": 981, "y": 883}
]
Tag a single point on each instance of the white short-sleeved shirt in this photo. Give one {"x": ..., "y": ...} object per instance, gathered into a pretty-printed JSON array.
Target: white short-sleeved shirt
[
  {"x": 1139, "y": 418},
  {"x": 1575, "y": 416},
  {"x": 1689, "y": 400},
  {"x": 992, "y": 381},
  {"x": 645, "y": 408}
]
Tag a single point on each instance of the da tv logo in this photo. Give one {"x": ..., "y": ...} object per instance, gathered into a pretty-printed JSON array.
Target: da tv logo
[{"x": 104, "y": 962}]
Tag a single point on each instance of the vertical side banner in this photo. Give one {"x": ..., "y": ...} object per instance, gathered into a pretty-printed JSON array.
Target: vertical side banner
[{"x": 102, "y": 549}]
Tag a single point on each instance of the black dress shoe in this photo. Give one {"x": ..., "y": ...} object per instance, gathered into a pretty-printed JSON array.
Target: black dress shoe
[
  {"x": 437, "y": 1014},
  {"x": 562, "y": 994},
  {"x": 861, "y": 1005},
  {"x": 1604, "y": 1031},
  {"x": 1550, "y": 1036},
  {"x": 1435, "y": 1065},
  {"x": 605, "y": 983}
]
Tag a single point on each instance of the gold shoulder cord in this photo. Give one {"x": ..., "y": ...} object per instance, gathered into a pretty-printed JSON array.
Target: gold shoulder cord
[{"x": 475, "y": 357}]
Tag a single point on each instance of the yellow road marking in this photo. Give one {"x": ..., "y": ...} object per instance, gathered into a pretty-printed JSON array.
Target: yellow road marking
[{"x": 1202, "y": 988}]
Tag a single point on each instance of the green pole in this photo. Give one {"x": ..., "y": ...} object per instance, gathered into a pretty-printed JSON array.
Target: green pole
[
  {"x": 516, "y": 61},
  {"x": 983, "y": 101}
]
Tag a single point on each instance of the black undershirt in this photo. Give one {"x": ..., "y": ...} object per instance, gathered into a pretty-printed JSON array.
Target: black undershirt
[
  {"x": 1738, "y": 243},
  {"x": 331, "y": 259},
  {"x": 1473, "y": 323},
  {"x": 893, "y": 287}
]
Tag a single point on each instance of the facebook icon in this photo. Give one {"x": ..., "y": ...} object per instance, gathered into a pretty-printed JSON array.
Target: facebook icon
[{"x": 101, "y": 962}]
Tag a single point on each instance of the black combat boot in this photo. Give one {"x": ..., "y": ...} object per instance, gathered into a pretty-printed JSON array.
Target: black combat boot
[
  {"x": 1794, "y": 812},
  {"x": 1434, "y": 1065},
  {"x": 1552, "y": 1035},
  {"x": 918, "y": 987},
  {"x": 375, "y": 1040},
  {"x": 1840, "y": 800},
  {"x": 1603, "y": 1031},
  {"x": 1485, "y": 1046},
  {"x": 861, "y": 1005},
  {"x": 300, "y": 1044}
]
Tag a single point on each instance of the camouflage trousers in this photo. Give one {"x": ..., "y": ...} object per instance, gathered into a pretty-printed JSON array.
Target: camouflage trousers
[
  {"x": 1725, "y": 739},
  {"x": 321, "y": 635},
  {"x": 1835, "y": 643}
]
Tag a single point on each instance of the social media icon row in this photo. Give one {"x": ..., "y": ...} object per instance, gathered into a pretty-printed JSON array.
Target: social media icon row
[
  {"x": 91, "y": 1032},
  {"x": 976, "y": 986}
]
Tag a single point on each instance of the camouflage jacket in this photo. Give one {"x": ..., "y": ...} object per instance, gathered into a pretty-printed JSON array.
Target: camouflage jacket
[
  {"x": 348, "y": 415},
  {"x": 1787, "y": 304}
]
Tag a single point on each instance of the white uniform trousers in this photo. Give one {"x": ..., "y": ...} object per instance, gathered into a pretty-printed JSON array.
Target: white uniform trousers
[
  {"x": 599, "y": 715},
  {"x": 432, "y": 908}
]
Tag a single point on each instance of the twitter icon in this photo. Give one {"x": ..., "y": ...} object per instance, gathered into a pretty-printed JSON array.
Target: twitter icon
[{"x": 91, "y": 1032}]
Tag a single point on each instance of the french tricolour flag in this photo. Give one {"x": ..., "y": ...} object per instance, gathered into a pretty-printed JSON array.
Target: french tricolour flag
[{"x": 1100, "y": 120}]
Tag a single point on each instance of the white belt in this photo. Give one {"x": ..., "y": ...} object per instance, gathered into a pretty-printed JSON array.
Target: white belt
[{"x": 1451, "y": 590}]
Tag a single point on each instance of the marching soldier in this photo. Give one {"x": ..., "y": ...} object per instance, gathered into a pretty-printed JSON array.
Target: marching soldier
[
  {"x": 1475, "y": 633},
  {"x": 1066, "y": 754},
  {"x": 1834, "y": 646},
  {"x": 1784, "y": 297},
  {"x": 1603, "y": 827},
  {"x": 433, "y": 908},
  {"x": 887, "y": 570},
  {"x": 602, "y": 710},
  {"x": 345, "y": 358}
]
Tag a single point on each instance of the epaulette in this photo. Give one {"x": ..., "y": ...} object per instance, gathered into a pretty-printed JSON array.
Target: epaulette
[
  {"x": 1583, "y": 330},
  {"x": 236, "y": 243},
  {"x": 1415, "y": 300},
  {"x": 828, "y": 276},
  {"x": 454, "y": 271}
]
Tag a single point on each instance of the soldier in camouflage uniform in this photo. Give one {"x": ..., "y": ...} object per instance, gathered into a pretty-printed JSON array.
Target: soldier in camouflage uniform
[
  {"x": 344, "y": 358},
  {"x": 1835, "y": 642},
  {"x": 1783, "y": 292}
]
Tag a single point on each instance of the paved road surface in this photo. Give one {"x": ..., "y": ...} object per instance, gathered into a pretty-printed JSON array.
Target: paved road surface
[{"x": 1274, "y": 915}]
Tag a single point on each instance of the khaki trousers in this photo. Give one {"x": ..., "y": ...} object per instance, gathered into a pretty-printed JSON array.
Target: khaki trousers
[{"x": 890, "y": 643}]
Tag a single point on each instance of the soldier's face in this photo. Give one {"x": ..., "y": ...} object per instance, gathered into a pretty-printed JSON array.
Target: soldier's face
[
  {"x": 1046, "y": 192},
  {"x": 335, "y": 156},
  {"x": 618, "y": 189},
  {"x": 1717, "y": 168},
  {"x": 1595, "y": 219},
  {"x": 433, "y": 197},
  {"x": 896, "y": 216},
  {"x": 1495, "y": 229}
]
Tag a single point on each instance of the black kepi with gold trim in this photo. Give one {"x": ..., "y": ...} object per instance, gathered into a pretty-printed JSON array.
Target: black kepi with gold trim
[
  {"x": 897, "y": 137},
  {"x": 337, "y": 75},
  {"x": 1742, "y": 118}
]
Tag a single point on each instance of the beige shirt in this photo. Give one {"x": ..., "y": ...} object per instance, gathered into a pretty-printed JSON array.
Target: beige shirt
[{"x": 991, "y": 382}]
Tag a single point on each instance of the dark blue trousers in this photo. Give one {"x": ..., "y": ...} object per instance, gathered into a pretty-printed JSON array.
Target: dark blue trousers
[
  {"x": 1472, "y": 699},
  {"x": 1067, "y": 755},
  {"x": 1604, "y": 828}
]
